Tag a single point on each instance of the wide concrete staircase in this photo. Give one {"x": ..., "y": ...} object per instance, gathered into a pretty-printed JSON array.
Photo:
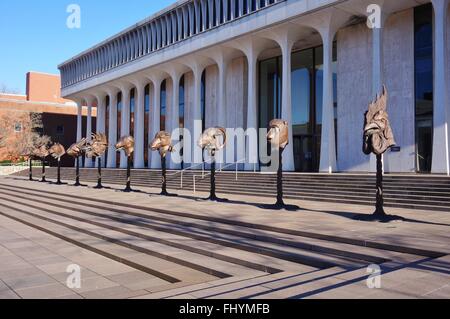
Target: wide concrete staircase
[
  {"x": 428, "y": 192},
  {"x": 184, "y": 250}
]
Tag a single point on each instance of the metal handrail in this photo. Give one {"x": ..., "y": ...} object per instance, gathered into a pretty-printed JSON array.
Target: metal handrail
[
  {"x": 189, "y": 168},
  {"x": 220, "y": 170}
]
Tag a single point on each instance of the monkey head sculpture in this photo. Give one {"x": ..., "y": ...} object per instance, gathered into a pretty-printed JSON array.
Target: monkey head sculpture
[
  {"x": 378, "y": 135},
  {"x": 210, "y": 139},
  {"x": 278, "y": 134},
  {"x": 162, "y": 143},
  {"x": 76, "y": 150},
  {"x": 57, "y": 151},
  {"x": 97, "y": 146},
  {"x": 126, "y": 143}
]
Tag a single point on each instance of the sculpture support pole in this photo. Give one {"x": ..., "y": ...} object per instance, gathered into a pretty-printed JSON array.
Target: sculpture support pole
[
  {"x": 212, "y": 195},
  {"x": 30, "y": 174},
  {"x": 58, "y": 181},
  {"x": 164, "y": 180},
  {"x": 128, "y": 188},
  {"x": 77, "y": 172},
  {"x": 43, "y": 180},
  {"x": 380, "y": 201},
  {"x": 99, "y": 174},
  {"x": 280, "y": 201}
]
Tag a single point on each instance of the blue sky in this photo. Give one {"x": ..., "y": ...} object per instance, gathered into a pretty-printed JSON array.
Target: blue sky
[{"x": 34, "y": 35}]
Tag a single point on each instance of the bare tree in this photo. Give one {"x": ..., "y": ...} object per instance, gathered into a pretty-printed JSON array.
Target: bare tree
[{"x": 6, "y": 90}]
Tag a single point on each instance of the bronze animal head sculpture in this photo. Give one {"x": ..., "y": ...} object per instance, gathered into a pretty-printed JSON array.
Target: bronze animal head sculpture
[
  {"x": 41, "y": 151},
  {"x": 162, "y": 143},
  {"x": 126, "y": 143},
  {"x": 76, "y": 150},
  {"x": 57, "y": 151},
  {"x": 278, "y": 134},
  {"x": 378, "y": 135},
  {"x": 210, "y": 139},
  {"x": 97, "y": 146}
]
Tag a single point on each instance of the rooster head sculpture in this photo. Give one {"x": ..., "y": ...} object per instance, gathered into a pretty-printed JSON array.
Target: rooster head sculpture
[{"x": 378, "y": 135}]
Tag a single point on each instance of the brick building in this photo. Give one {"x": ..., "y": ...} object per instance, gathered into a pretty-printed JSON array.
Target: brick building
[{"x": 42, "y": 98}]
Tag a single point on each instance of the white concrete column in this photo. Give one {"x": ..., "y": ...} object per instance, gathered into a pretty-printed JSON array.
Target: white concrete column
[
  {"x": 286, "y": 108},
  {"x": 197, "y": 114},
  {"x": 174, "y": 113},
  {"x": 112, "y": 129},
  {"x": 139, "y": 126},
  {"x": 328, "y": 143},
  {"x": 441, "y": 112},
  {"x": 251, "y": 147},
  {"x": 88, "y": 161},
  {"x": 101, "y": 109},
  {"x": 125, "y": 122},
  {"x": 155, "y": 120}
]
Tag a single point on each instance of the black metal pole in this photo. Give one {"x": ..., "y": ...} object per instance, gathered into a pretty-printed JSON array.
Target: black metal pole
[
  {"x": 77, "y": 172},
  {"x": 128, "y": 188},
  {"x": 380, "y": 200},
  {"x": 30, "y": 173},
  {"x": 43, "y": 180},
  {"x": 164, "y": 176},
  {"x": 58, "y": 182},
  {"x": 280, "y": 201},
  {"x": 99, "y": 174}
]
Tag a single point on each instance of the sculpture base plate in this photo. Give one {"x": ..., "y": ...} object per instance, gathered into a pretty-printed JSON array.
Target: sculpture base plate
[
  {"x": 215, "y": 199},
  {"x": 58, "y": 183},
  {"x": 99, "y": 186},
  {"x": 168, "y": 194},
  {"x": 279, "y": 206},
  {"x": 379, "y": 217},
  {"x": 43, "y": 181},
  {"x": 128, "y": 190},
  {"x": 79, "y": 185}
]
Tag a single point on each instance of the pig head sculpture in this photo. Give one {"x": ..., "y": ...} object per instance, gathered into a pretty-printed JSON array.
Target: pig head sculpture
[
  {"x": 278, "y": 134},
  {"x": 378, "y": 135}
]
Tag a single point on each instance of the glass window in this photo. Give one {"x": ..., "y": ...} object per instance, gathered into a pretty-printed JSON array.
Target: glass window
[
  {"x": 119, "y": 115},
  {"x": 162, "y": 121},
  {"x": 18, "y": 127},
  {"x": 270, "y": 91},
  {"x": 423, "y": 56},
  {"x": 146, "y": 126},
  {"x": 203, "y": 101},
  {"x": 59, "y": 130}
]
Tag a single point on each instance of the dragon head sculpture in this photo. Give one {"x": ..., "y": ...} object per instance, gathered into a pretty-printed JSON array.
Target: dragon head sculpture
[
  {"x": 41, "y": 151},
  {"x": 210, "y": 139},
  {"x": 278, "y": 134},
  {"x": 378, "y": 135},
  {"x": 76, "y": 150},
  {"x": 57, "y": 151},
  {"x": 97, "y": 146},
  {"x": 126, "y": 143},
  {"x": 162, "y": 143}
]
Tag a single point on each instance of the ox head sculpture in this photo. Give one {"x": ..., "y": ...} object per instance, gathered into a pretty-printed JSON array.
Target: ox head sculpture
[
  {"x": 162, "y": 143},
  {"x": 126, "y": 144},
  {"x": 278, "y": 135},
  {"x": 97, "y": 146},
  {"x": 210, "y": 139},
  {"x": 378, "y": 135},
  {"x": 76, "y": 150},
  {"x": 57, "y": 151}
]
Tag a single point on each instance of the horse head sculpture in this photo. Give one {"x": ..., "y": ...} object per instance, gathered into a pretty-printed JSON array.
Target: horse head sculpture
[
  {"x": 76, "y": 150},
  {"x": 162, "y": 143},
  {"x": 378, "y": 135},
  {"x": 126, "y": 143},
  {"x": 57, "y": 151},
  {"x": 278, "y": 134},
  {"x": 210, "y": 139},
  {"x": 97, "y": 146}
]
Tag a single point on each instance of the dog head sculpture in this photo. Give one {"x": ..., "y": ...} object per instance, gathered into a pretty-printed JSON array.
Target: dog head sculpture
[
  {"x": 162, "y": 143},
  {"x": 210, "y": 139},
  {"x": 278, "y": 134},
  {"x": 126, "y": 143},
  {"x": 76, "y": 150},
  {"x": 57, "y": 151},
  {"x": 378, "y": 135},
  {"x": 97, "y": 146},
  {"x": 41, "y": 151}
]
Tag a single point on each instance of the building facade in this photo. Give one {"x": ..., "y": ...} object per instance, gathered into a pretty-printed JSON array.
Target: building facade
[
  {"x": 240, "y": 63},
  {"x": 42, "y": 103}
]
